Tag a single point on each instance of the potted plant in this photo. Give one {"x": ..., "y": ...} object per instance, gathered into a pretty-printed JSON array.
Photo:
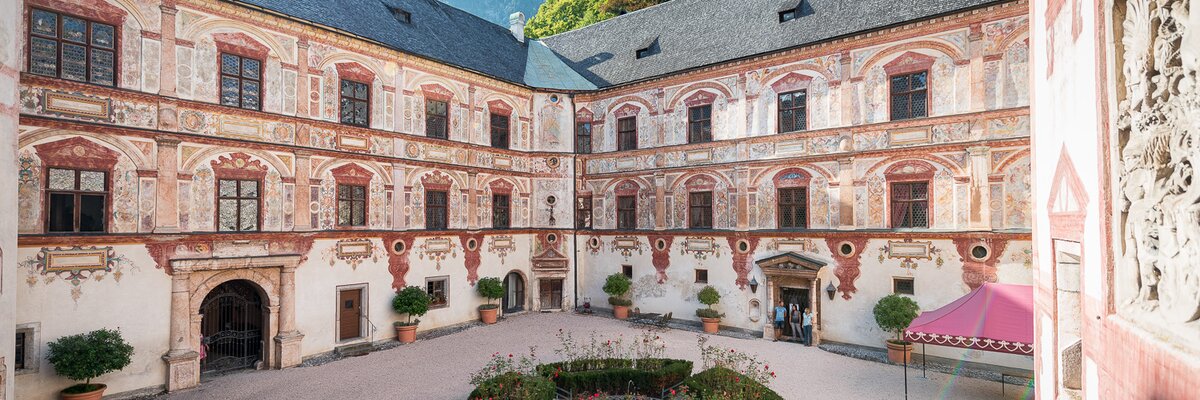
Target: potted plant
[
  {"x": 491, "y": 289},
  {"x": 616, "y": 286},
  {"x": 414, "y": 302},
  {"x": 86, "y": 356},
  {"x": 893, "y": 314},
  {"x": 710, "y": 317}
]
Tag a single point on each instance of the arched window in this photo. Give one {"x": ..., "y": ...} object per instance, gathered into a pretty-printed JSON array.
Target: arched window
[
  {"x": 908, "y": 186},
  {"x": 239, "y": 192},
  {"x": 78, "y": 185},
  {"x": 791, "y": 189}
]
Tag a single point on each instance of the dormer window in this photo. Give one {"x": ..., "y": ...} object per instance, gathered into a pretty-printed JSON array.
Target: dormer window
[
  {"x": 789, "y": 11},
  {"x": 785, "y": 16},
  {"x": 643, "y": 53},
  {"x": 648, "y": 48},
  {"x": 400, "y": 14}
]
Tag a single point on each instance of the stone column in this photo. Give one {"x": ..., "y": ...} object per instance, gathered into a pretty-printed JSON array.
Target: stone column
[
  {"x": 398, "y": 196},
  {"x": 743, "y": 197},
  {"x": 303, "y": 219},
  {"x": 660, "y": 201},
  {"x": 167, "y": 212},
  {"x": 846, "y": 87},
  {"x": 166, "y": 74},
  {"x": 768, "y": 309},
  {"x": 183, "y": 362},
  {"x": 473, "y": 201},
  {"x": 302, "y": 90},
  {"x": 980, "y": 192},
  {"x": 287, "y": 343},
  {"x": 813, "y": 299},
  {"x": 975, "y": 50},
  {"x": 846, "y": 193}
]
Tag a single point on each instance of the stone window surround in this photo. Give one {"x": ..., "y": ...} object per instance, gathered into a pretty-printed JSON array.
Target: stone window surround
[
  {"x": 33, "y": 356},
  {"x": 445, "y": 279}
]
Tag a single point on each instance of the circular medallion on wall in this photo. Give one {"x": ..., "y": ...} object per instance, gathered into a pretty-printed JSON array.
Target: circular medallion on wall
[
  {"x": 846, "y": 249},
  {"x": 551, "y": 238},
  {"x": 551, "y": 200},
  {"x": 552, "y": 162},
  {"x": 660, "y": 244},
  {"x": 472, "y": 244},
  {"x": 594, "y": 243},
  {"x": 743, "y": 246},
  {"x": 980, "y": 252},
  {"x": 554, "y": 98},
  {"x": 412, "y": 150},
  {"x": 398, "y": 246}
]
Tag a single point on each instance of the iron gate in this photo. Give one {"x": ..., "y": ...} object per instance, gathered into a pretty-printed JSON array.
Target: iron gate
[{"x": 231, "y": 327}]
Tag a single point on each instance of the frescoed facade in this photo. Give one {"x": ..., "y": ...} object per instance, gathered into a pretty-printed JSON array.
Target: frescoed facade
[{"x": 252, "y": 150}]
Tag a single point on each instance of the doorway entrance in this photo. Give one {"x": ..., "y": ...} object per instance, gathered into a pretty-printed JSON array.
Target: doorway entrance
[
  {"x": 797, "y": 297},
  {"x": 231, "y": 327},
  {"x": 514, "y": 293},
  {"x": 551, "y": 291},
  {"x": 350, "y": 314}
]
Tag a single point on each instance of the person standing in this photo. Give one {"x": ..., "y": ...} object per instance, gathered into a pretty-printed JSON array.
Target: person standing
[
  {"x": 794, "y": 320},
  {"x": 806, "y": 321},
  {"x": 780, "y": 314}
]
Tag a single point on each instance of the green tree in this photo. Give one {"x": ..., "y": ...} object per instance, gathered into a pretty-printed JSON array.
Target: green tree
[
  {"x": 491, "y": 289},
  {"x": 894, "y": 313},
  {"x": 86, "y": 356},
  {"x": 558, "y": 16}
]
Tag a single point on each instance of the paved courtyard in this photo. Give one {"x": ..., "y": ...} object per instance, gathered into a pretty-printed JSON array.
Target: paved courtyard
[{"x": 439, "y": 368}]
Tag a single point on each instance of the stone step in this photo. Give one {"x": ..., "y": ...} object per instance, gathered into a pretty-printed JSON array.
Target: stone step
[{"x": 355, "y": 349}]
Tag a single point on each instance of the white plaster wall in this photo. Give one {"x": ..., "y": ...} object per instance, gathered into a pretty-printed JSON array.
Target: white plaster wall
[
  {"x": 138, "y": 305},
  {"x": 11, "y": 63}
]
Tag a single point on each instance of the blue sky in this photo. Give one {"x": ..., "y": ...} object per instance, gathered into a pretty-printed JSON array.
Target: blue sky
[{"x": 497, "y": 11}]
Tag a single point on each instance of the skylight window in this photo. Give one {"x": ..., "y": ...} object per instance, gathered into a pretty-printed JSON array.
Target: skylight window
[
  {"x": 785, "y": 16},
  {"x": 648, "y": 48},
  {"x": 790, "y": 10}
]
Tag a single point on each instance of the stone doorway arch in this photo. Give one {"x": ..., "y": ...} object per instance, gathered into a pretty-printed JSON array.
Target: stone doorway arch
[{"x": 232, "y": 327}]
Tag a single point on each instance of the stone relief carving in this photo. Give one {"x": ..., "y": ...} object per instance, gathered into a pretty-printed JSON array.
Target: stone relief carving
[{"x": 1159, "y": 182}]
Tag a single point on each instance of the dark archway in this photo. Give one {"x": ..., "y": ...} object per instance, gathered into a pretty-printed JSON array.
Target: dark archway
[
  {"x": 514, "y": 293},
  {"x": 232, "y": 327}
]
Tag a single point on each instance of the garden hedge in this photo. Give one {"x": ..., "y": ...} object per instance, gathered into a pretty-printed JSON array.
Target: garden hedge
[
  {"x": 724, "y": 383},
  {"x": 650, "y": 377},
  {"x": 513, "y": 386}
]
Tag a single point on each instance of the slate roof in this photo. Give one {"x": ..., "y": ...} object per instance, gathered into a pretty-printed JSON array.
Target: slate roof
[
  {"x": 696, "y": 33},
  {"x": 685, "y": 34}
]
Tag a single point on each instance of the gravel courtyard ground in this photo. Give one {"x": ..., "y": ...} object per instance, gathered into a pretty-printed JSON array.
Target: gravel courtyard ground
[{"x": 439, "y": 368}]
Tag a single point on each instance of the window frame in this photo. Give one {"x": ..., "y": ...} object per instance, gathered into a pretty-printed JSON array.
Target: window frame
[
  {"x": 77, "y": 194},
  {"x": 583, "y": 141},
  {"x": 632, "y": 217},
  {"x": 238, "y": 200},
  {"x": 799, "y": 207},
  {"x": 342, "y": 97},
  {"x": 892, "y": 213},
  {"x": 622, "y": 138},
  {"x": 444, "y": 280},
  {"x": 780, "y": 110},
  {"x": 627, "y": 270},
  {"x": 444, "y": 207},
  {"x": 912, "y": 285},
  {"x": 892, "y": 95},
  {"x": 365, "y": 202},
  {"x": 583, "y": 212},
  {"x": 696, "y": 127},
  {"x": 494, "y": 131},
  {"x": 498, "y": 210},
  {"x": 445, "y": 126},
  {"x": 116, "y": 49},
  {"x": 704, "y": 209},
  {"x": 701, "y": 275},
  {"x": 241, "y": 80}
]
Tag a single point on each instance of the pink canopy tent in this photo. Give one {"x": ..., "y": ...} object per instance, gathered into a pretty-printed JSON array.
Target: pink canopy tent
[{"x": 993, "y": 317}]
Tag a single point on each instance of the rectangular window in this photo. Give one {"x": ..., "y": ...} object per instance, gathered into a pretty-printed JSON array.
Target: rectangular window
[
  {"x": 436, "y": 288},
  {"x": 701, "y": 276},
  {"x": 436, "y": 125},
  {"x": 435, "y": 210},
  {"x": 352, "y": 205},
  {"x": 499, "y": 131},
  {"x": 500, "y": 211},
  {"x": 793, "y": 111},
  {"x": 910, "y": 205},
  {"x": 793, "y": 208},
  {"x": 583, "y": 212},
  {"x": 909, "y": 96},
  {"x": 72, "y": 48},
  {"x": 241, "y": 82},
  {"x": 700, "y": 124},
  {"x": 77, "y": 200},
  {"x": 626, "y": 212},
  {"x": 356, "y": 103},
  {"x": 903, "y": 286},
  {"x": 583, "y": 137},
  {"x": 627, "y": 133},
  {"x": 627, "y": 270},
  {"x": 19, "y": 360},
  {"x": 787, "y": 15},
  {"x": 238, "y": 205},
  {"x": 700, "y": 211}
]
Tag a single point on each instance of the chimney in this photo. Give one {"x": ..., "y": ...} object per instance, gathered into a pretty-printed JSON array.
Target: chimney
[{"x": 516, "y": 25}]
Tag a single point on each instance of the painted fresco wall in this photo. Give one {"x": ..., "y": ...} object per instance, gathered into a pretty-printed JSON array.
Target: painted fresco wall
[
  {"x": 1113, "y": 199},
  {"x": 10, "y": 67}
]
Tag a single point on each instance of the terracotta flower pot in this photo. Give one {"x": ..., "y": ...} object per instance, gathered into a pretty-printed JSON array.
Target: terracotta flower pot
[
  {"x": 406, "y": 333},
  {"x": 488, "y": 315},
  {"x": 621, "y": 312},
  {"x": 899, "y": 352},
  {"x": 92, "y": 395},
  {"x": 711, "y": 325}
]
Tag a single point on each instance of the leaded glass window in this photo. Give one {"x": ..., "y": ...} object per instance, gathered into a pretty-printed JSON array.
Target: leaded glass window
[
  {"x": 583, "y": 137},
  {"x": 352, "y": 205},
  {"x": 72, "y": 48},
  {"x": 627, "y": 133},
  {"x": 909, "y": 93},
  {"x": 436, "y": 119},
  {"x": 583, "y": 212},
  {"x": 356, "y": 103},
  {"x": 435, "y": 210},
  {"x": 626, "y": 212},
  {"x": 700, "y": 124},
  {"x": 793, "y": 208},
  {"x": 793, "y": 111},
  {"x": 910, "y": 205},
  {"x": 700, "y": 210},
  {"x": 238, "y": 205},
  {"x": 500, "y": 131},
  {"x": 241, "y": 82},
  {"x": 76, "y": 200},
  {"x": 500, "y": 211}
]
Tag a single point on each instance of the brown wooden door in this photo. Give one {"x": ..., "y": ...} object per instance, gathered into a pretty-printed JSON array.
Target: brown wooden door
[
  {"x": 350, "y": 314},
  {"x": 551, "y": 293}
]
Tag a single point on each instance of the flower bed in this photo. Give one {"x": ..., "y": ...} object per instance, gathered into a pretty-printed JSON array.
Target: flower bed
[
  {"x": 644, "y": 376},
  {"x": 514, "y": 385},
  {"x": 722, "y": 383}
]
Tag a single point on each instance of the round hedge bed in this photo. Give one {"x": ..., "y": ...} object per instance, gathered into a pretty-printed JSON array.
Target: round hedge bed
[{"x": 649, "y": 377}]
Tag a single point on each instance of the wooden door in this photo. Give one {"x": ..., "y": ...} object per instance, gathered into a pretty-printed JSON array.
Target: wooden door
[
  {"x": 350, "y": 314},
  {"x": 551, "y": 291}
]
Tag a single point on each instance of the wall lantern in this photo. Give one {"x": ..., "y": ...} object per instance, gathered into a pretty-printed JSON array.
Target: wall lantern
[
  {"x": 830, "y": 290},
  {"x": 753, "y": 285}
]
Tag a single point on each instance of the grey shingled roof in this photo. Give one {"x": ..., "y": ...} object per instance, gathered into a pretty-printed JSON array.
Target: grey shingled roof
[{"x": 696, "y": 33}]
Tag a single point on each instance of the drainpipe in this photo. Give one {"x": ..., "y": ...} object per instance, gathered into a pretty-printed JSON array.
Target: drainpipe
[{"x": 574, "y": 198}]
